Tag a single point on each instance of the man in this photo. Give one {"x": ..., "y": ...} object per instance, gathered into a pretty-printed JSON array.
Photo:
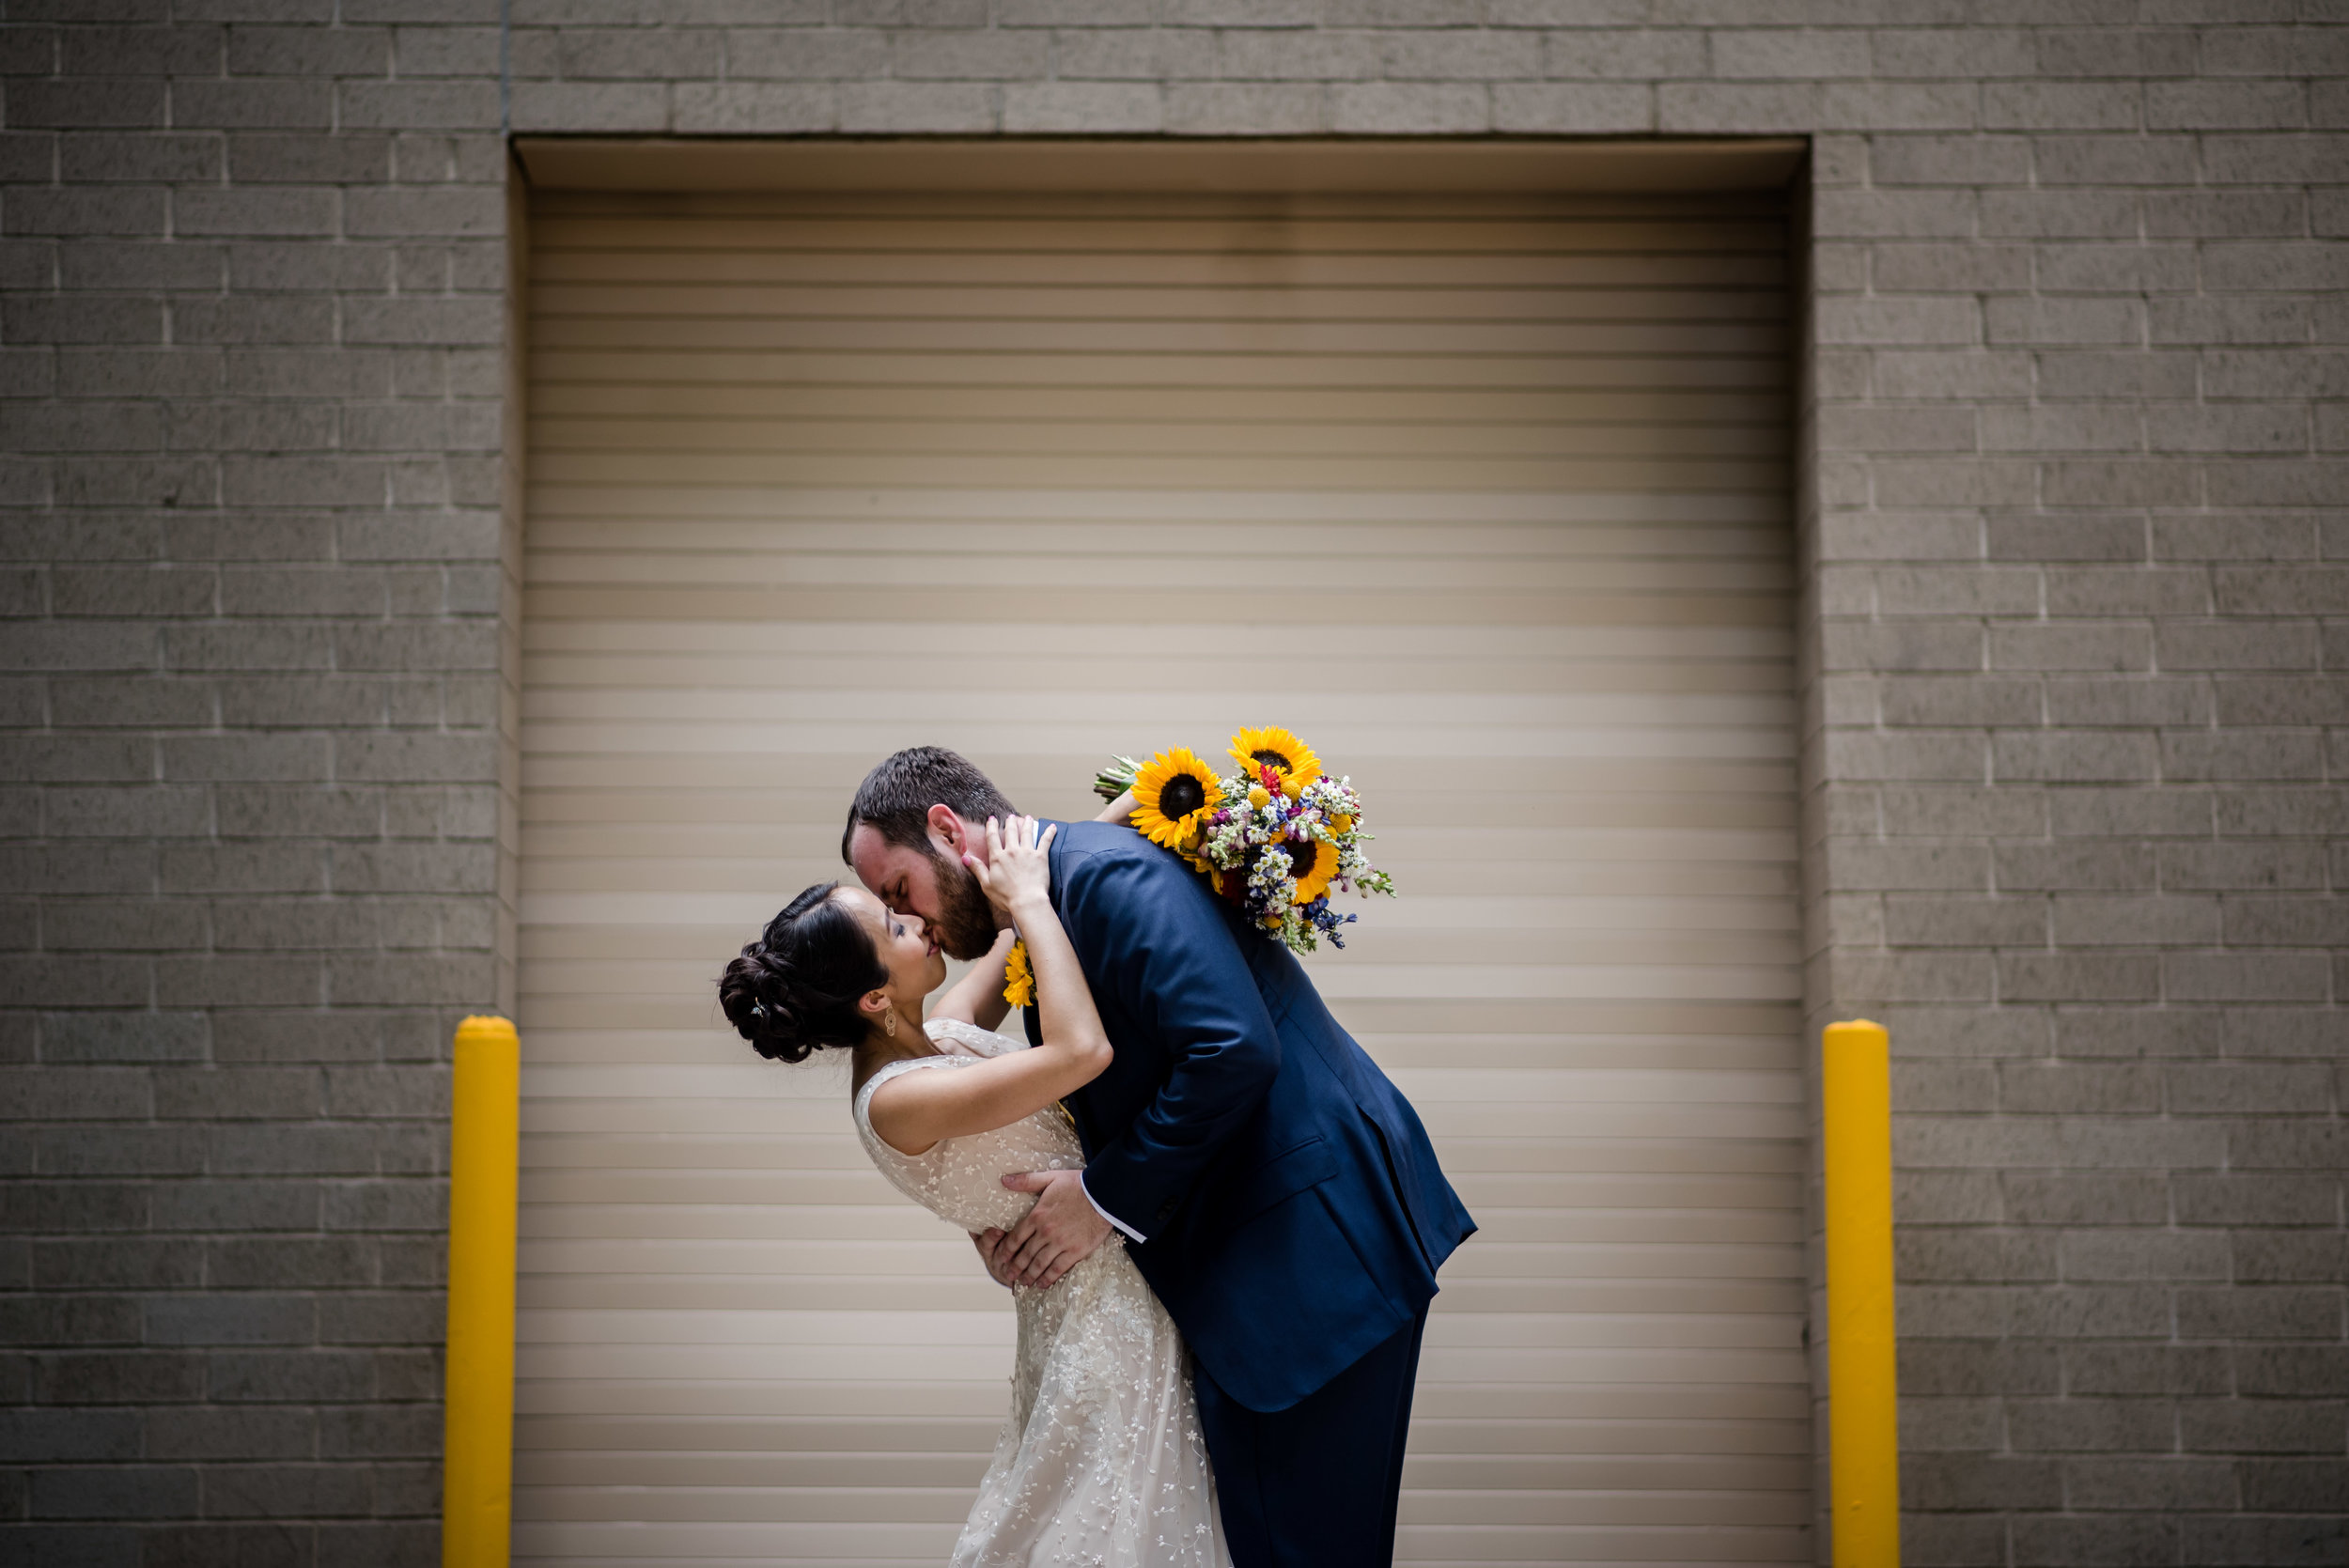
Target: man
[{"x": 1275, "y": 1190}]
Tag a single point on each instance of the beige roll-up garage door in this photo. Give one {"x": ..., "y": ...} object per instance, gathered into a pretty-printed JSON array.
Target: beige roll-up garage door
[{"x": 1486, "y": 496}]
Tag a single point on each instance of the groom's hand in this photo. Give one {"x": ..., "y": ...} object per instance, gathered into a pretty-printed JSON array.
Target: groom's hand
[
  {"x": 987, "y": 1242},
  {"x": 1061, "y": 1232}
]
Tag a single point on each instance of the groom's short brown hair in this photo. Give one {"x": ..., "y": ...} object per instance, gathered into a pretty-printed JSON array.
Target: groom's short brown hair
[{"x": 896, "y": 798}]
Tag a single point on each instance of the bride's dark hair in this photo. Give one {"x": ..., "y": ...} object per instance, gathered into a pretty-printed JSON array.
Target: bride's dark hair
[{"x": 795, "y": 989}]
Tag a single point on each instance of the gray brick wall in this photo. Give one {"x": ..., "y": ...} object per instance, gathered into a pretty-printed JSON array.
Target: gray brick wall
[
  {"x": 249, "y": 824},
  {"x": 2076, "y": 631}
]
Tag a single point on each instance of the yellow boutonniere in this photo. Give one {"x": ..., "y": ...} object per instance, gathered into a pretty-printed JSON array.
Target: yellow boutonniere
[{"x": 1018, "y": 979}]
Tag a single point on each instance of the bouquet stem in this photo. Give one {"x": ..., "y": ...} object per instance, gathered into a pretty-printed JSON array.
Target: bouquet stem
[{"x": 1116, "y": 778}]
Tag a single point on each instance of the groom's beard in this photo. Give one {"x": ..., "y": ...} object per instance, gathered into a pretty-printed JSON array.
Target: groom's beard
[{"x": 966, "y": 922}]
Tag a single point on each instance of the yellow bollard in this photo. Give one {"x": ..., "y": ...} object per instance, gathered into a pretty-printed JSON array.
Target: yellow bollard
[
  {"x": 1864, "y": 1430},
  {"x": 477, "y": 1445}
]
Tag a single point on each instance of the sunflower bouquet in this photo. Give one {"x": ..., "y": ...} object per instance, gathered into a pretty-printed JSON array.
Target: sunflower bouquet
[{"x": 1274, "y": 836}]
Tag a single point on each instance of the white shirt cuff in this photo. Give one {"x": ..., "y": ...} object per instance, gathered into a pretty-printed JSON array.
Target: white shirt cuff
[{"x": 1125, "y": 1229}]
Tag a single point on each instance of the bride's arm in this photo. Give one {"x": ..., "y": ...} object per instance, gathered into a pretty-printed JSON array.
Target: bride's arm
[
  {"x": 913, "y": 1111},
  {"x": 977, "y": 998}
]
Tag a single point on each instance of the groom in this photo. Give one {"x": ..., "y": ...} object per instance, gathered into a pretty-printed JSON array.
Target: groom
[{"x": 1275, "y": 1190}]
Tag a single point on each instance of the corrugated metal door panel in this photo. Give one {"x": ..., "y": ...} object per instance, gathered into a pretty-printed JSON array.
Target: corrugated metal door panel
[{"x": 1043, "y": 478}]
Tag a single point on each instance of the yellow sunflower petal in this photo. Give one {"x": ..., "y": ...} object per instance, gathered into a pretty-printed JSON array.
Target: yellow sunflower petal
[
  {"x": 1173, "y": 792},
  {"x": 1277, "y": 748},
  {"x": 1314, "y": 863},
  {"x": 1018, "y": 979}
]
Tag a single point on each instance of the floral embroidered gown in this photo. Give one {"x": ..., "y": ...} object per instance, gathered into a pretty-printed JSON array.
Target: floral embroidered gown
[{"x": 1101, "y": 1462}]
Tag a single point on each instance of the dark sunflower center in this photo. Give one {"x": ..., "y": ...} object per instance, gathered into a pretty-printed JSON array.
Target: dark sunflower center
[
  {"x": 1180, "y": 795},
  {"x": 1302, "y": 855},
  {"x": 1274, "y": 759}
]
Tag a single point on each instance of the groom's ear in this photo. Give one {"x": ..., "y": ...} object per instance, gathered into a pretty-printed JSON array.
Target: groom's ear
[{"x": 946, "y": 825}]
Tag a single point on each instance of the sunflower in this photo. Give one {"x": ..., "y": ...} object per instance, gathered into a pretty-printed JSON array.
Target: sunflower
[
  {"x": 1313, "y": 863},
  {"x": 1278, "y": 749},
  {"x": 1173, "y": 793},
  {"x": 1018, "y": 979}
]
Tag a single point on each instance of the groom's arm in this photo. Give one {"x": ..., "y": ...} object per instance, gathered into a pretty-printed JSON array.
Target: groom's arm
[{"x": 1152, "y": 938}]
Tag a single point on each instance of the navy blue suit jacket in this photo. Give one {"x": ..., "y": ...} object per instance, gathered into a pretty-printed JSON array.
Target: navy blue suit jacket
[{"x": 1294, "y": 1211}]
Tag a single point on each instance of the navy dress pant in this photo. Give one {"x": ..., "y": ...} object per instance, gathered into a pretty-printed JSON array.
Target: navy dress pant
[{"x": 1315, "y": 1485}]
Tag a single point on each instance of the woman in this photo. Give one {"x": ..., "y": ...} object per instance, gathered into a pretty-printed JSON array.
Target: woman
[{"x": 1101, "y": 1461}]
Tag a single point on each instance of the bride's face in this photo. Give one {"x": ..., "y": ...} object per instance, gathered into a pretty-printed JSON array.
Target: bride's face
[{"x": 905, "y": 945}]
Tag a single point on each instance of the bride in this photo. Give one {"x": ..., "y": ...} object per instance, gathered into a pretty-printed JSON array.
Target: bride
[{"x": 1101, "y": 1460}]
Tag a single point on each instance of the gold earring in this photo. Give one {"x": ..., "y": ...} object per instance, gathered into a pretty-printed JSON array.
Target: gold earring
[{"x": 890, "y": 1022}]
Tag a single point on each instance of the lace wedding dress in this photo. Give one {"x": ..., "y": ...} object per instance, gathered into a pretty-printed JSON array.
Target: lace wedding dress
[{"x": 1102, "y": 1462}]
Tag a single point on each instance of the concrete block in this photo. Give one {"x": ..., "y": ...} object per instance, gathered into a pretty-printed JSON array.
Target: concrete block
[
  {"x": 410, "y": 213},
  {"x": 1916, "y": 646},
  {"x": 2283, "y": 1257},
  {"x": 237, "y": 1206},
  {"x": 2092, "y": 756},
  {"x": 1923, "y": 921},
  {"x": 2225, "y": 214},
  {"x": 2071, "y": 214},
  {"x": 1906, "y": 321},
  {"x": 653, "y": 53},
  {"x": 2317, "y": 1539},
  {"x": 2136, "y": 1143},
  {"x": 1970, "y": 1031},
  {"x": 2063, "y": 427},
  {"x": 2135, "y": 591},
  {"x": 240, "y": 1318},
  {"x": 2048, "y": 1198},
  {"x": 2150, "y": 1486},
  {"x": 1236, "y": 109},
  {"x": 2318, "y": 1486},
  {"x": 2136, "y": 922},
  {"x": 1088, "y": 107},
  {"x": 2260, "y": 1426},
  {"x": 2150, "y": 813},
  {"x": 2089, "y": 1312},
  {"x": 417, "y": 105},
  {"x": 286, "y": 1491},
  {"x": 2129, "y": 701},
  {"x": 1563, "y": 108},
  {"x": 2257, "y": 1200},
  {"x": 290, "y": 1262},
  {"x": 116, "y": 1377},
  {"x": 2238, "y": 644},
  {"x": 2246, "y": 977},
  {"x": 1410, "y": 108},
  {"x": 1964, "y": 811},
  {"x": 1947, "y": 1198},
  {"x": 2308, "y": 921},
  {"x": 1940, "y": 1088},
  {"x": 238, "y": 1149},
  {"x": 912, "y": 108},
  {"x": 2247, "y": 1088},
  {"x": 114, "y": 1492},
  {"x": 2241, "y": 754},
  {"x": 2247, "y": 867},
  {"x": 394, "y": 1432},
  {"x": 2225, "y": 106},
  {"x": 2144, "y": 1253},
  {"x": 1969, "y": 372},
  {"x": 2062, "y": 977},
  {"x": 1949, "y": 1426},
  {"x": 2111, "y": 1538},
  {"x": 1977, "y": 1368}
]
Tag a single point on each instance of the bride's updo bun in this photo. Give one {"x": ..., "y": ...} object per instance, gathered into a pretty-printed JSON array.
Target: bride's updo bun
[{"x": 795, "y": 989}]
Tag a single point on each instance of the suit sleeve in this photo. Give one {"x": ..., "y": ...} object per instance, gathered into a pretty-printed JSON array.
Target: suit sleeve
[{"x": 1151, "y": 935}]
